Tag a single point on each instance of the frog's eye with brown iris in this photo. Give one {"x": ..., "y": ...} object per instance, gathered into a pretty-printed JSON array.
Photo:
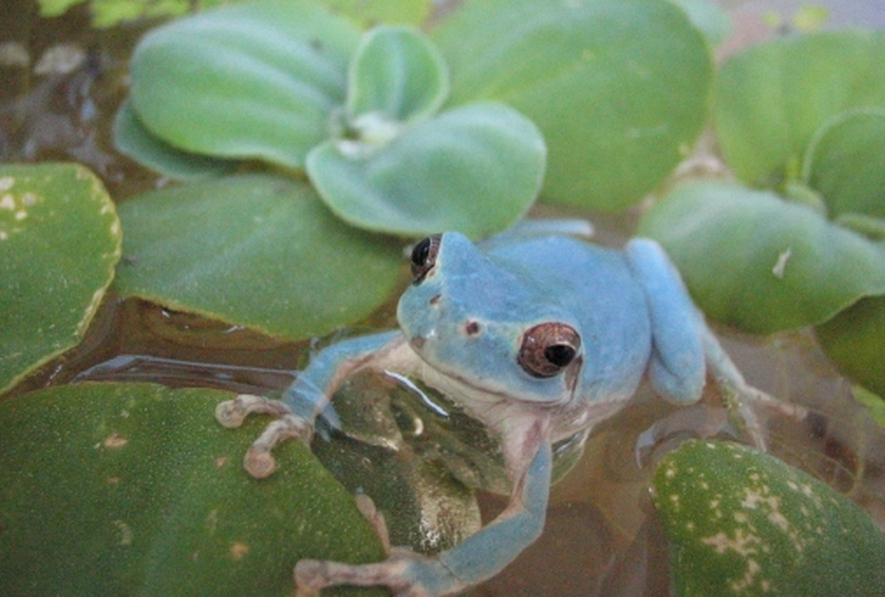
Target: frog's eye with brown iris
[
  {"x": 424, "y": 257},
  {"x": 548, "y": 348}
]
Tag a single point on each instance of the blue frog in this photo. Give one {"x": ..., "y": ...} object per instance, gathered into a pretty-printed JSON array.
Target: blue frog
[{"x": 538, "y": 336}]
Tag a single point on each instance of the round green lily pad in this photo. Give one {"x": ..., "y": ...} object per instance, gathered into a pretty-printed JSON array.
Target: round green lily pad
[
  {"x": 59, "y": 241},
  {"x": 743, "y": 523}
]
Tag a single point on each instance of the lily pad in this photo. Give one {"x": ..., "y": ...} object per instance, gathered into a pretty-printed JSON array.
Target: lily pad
[
  {"x": 772, "y": 98},
  {"x": 251, "y": 80},
  {"x": 618, "y": 88},
  {"x": 845, "y": 163},
  {"x": 59, "y": 242},
  {"x": 397, "y": 75},
  {"x": 742, "y": 523},
  {"x": 476, "y": 169},
  {"x": 134, "y": 489},
  {"x": 753, "y": 260},
  {"x": 257, "y": 250}
]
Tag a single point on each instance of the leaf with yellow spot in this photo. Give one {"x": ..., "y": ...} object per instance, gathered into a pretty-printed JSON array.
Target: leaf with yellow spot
[
  {"x": 59, "y": 242},
  {"x": 742, "y": 523}
]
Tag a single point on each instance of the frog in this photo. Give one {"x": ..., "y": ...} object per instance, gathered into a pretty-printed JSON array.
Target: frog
[{"x": 539, "y": 335}]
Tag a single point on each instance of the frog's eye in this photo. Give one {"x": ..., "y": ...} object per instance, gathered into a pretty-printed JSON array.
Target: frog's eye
[
  {"x": 424, "y": 257},
  {"x": 548, "y": 348}
]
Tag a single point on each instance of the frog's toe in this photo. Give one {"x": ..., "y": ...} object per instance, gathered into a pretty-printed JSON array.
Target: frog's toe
[
  {"x": 404, "y": 573},
  {"x": 259, "y": 461},
  {"x": 232, "y": 413}
]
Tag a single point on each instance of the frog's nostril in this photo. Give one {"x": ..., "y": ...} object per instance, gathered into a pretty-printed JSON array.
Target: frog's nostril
[
  {"x": 434, "y": 300},
  {"x": 472, "y": 328}
]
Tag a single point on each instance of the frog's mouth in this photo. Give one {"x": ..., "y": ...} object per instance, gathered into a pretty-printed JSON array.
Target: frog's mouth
[{"x": 550, "y": 392}]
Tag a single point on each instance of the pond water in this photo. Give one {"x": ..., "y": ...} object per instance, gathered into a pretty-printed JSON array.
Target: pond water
[{"x": 63, "y": 81}]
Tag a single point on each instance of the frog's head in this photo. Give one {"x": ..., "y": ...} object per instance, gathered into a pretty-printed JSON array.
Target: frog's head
[{"x": 488, "y": 326}]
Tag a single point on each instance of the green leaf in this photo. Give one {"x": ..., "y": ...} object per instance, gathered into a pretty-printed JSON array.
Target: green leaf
[
  {"x": 709, "y": 17},
  {"x": 257, "y": 250},
  {"x": 391, "y": 12},
  {"x": 134, "y": 489},
  {"x": 753, "y": 260},
  {"x": 398, "y": 74},
  {"x": 59, "y": 241},
  {"x": 845, "y": 163},
  {"x": 742, "y": 523},
  {"x": 131, "y": 138},
  {"x": 772, "y": 98},
  {"x": 619, "y": 88},
  {"x": 855, "y": 340},
  {"x": 254, "y": 80},
  {"x": 476, "y": 169}
]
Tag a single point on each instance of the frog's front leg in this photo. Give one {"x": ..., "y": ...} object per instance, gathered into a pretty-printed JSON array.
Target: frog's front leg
[
  {"x": 478, "y": 557},
  {"x": 309, "y": 396}
]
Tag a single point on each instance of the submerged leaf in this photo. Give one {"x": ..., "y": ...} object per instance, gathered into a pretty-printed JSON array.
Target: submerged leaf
[
  {"x": 251, "y": 80},
  {"x": 475, "y": 169},
  {"x": 618, "y": 88},
  {"x": 256, "y": 250},
  {"x": 134, "y": 489},
  {"x": 753, "y": 260},
  {"x": 742, "y": 523},
  {"x": 59, "y": 242}
]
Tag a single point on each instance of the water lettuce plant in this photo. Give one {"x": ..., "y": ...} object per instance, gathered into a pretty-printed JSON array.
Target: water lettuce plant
[{"x": 801, "y": 233}]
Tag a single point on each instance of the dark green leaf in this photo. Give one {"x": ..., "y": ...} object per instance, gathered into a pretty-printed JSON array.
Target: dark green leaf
[
  {"x": 134, "y": 489},
  {"x": 619, "y": 88},
  {"x": 257, "y": 250},
  {"x": 855, "y": 340},
  {"x": 743, "y": 523},
  {"x": 59, "y": 241}
]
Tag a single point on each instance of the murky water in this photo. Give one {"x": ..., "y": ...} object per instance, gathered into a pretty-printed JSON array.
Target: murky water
[{"x": 62, "y": 83}]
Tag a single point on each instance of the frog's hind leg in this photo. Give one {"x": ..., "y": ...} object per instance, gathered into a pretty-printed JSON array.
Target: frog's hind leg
[{"x": 740, "y": 396}]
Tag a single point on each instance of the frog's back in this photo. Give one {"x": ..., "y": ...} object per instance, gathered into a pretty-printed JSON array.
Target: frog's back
[{"x": 596, "y": 285}]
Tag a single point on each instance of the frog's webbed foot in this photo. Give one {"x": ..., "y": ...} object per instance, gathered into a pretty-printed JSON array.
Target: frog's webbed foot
[
  {"x": 405, "y": 573},
  {"x": 744, "y": 400},
  {"x": 259, "y": 461}
]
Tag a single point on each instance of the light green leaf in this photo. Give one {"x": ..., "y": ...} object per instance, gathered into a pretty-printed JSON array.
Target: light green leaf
[
  {"x": 476, "y": 169},
  {"x": 134, "y": 489},
  {"x": 253, "y": 80},
  {"x": 397, "y": 74},
  {"x": 131, "y": 138},
  {"x": 390, "y": 12},
  {"x": 257, "y": 250},
  {"x": 855, "y": 340},
  {"x": 59, "y": 241},
  {"x": 618, "y": 88},
  {"x": 709, "y": 17},
  {"x": 845, "y": 163},
  {"x": 742, "y": 523},
  {"x": 753, "y": 260},
  {"x": 772, "y": 98}
]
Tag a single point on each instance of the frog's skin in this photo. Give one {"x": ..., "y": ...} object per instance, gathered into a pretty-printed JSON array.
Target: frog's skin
[{"x": 539, "y": 337}]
